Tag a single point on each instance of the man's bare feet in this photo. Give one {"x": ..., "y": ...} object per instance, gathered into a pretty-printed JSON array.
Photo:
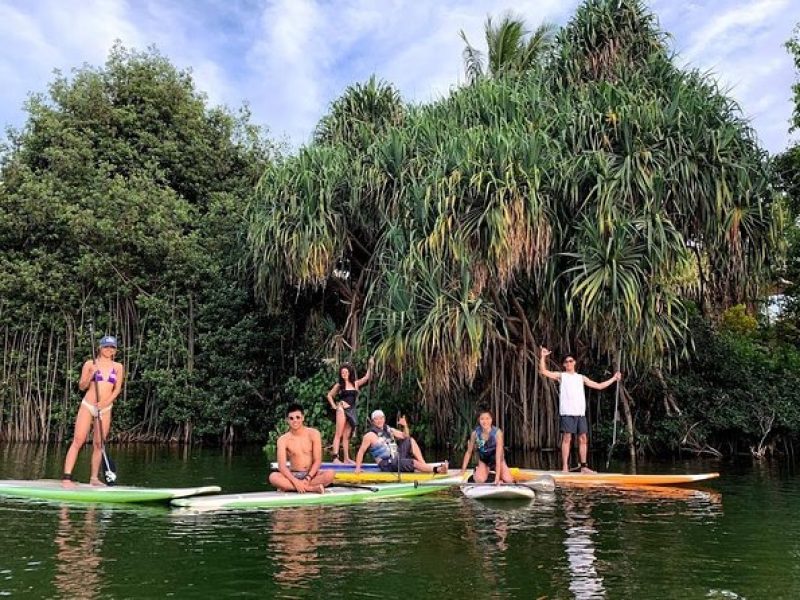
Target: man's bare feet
[
  {"x": 587, "y": 470},
  {"x": 96, "y": 482},
  {"x": 336, "y": 460},
  {"x": 68, "y": 483},
  {"x": 319, "y": 489},
  {"x": 349, "y": 461}
]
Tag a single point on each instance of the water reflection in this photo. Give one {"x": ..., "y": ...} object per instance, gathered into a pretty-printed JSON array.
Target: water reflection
[
  {"x": 78, "y": 554},
  {"x": 690, "y": 503},
  {"x": 295, "y": 535},
  {"x": 584, "y": 580},
  {"x": 25, "y": 461},
  {"x": 590, "y": 513},
  {"x": 495, "y": 532}
]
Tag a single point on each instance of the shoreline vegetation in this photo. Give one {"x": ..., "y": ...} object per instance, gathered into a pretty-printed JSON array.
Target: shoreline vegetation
[{"x": 580, "y": 191}]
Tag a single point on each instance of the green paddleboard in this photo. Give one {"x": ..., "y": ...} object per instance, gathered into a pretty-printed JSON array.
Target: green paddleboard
[
  {"x": 53, "y": 489},
  {"x": 332, "y": 495}
]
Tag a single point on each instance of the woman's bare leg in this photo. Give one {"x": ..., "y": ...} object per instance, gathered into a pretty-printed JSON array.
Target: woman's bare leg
[
  {"x": 348, "y": 433},
  {"x": 337, "y": 436},
  {"x": 83, "y": 423},
  {"x": 97, "y": 443},
  {"x": 506, "y": 474},
  {"x": 481, "y": 473}
]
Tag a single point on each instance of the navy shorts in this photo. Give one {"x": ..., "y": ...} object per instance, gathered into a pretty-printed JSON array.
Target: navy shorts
[{"x": 573, "y": 424}]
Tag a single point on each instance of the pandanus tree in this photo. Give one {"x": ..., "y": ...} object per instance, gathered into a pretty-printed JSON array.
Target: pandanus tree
[{"x": 579, "y": 203}]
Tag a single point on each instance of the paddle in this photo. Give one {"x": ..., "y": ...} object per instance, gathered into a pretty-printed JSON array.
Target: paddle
[
  {"x": 616, "y": 412},
  {"x": 357, "y": 486},
  {"x": 109, "y": 471},
  {"x": 397, "y": 452},
  {"x": 544, "y": 484}
]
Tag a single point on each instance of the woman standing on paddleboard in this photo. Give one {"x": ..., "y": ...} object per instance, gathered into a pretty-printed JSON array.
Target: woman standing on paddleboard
[
  {"x": 347, "y": 389},
  {"x": 488, "y": 439},
  {"x": 101, "y": 379}
]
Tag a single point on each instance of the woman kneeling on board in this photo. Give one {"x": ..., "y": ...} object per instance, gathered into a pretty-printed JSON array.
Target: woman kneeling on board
[
  {"x": 489, "y": 441},
  {"x": 404, "y": 457},
  {"x": 300, "y": 457},
  {"x": 102, "y": 379}
]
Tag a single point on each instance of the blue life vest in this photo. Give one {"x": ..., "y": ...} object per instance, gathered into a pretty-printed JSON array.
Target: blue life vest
[
  {"x": 384, "y": 447},
  {"x": 487, "y": 449}
]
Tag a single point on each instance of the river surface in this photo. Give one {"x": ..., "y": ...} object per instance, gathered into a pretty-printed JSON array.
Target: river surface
[{"x": 737, "y": 537}]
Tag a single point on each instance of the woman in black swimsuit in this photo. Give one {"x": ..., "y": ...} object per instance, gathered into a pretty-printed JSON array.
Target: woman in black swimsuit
[{"x": 346, "y": 412}]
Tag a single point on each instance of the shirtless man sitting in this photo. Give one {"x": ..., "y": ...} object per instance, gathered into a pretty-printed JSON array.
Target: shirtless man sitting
[
  {"x": 300, "y": 457},
  {"x": 391, "y": 456}
]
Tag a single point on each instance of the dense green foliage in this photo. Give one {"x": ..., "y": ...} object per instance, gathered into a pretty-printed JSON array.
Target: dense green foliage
[
  {"x": 582, "y": 203},
  {"x": 122, "y": 201},
  {"x": 582, "y": 192},
  {"x": 788, "y": 171},
  {"x": 740, "y": 392}
]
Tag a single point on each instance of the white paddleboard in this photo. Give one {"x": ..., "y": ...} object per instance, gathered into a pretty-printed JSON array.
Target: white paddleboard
[{"x": 490, "y": 491}]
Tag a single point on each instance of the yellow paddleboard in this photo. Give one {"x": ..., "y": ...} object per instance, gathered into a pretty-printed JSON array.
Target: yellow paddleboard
[{"x": 385, "y": 477}]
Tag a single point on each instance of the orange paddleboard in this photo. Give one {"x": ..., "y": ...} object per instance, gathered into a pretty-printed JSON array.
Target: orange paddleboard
[{"x": 613, "y": 479}]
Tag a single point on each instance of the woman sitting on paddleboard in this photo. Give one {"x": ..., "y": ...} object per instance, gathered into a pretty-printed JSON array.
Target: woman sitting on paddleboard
[
  {"x": 488, "y": 439},
  {"x": 346, "y": 412},
  {"x": 108, "y": 376}
]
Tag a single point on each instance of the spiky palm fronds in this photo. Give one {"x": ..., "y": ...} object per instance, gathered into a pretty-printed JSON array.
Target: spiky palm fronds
[
  {"x": 511, "y": 49},
  {"x": 582, "y": 204}
]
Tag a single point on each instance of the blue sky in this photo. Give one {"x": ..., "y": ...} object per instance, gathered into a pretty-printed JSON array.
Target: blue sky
[{"x": 289, "y": 58}]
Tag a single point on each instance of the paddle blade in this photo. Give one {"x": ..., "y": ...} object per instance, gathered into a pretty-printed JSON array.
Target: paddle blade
[
  {"x": 109, "y": 470},
  {"x": 544, "y": 484}
]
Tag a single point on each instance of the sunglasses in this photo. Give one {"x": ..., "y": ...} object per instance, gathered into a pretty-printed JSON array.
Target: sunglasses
[{"x": 295, "y": 417}]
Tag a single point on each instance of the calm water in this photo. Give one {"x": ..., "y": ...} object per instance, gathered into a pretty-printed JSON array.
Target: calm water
[{"x": 736, "y": 538}]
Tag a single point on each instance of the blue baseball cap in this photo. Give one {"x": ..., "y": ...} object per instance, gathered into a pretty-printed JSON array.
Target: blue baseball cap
[{"x": 108, "y": 340}]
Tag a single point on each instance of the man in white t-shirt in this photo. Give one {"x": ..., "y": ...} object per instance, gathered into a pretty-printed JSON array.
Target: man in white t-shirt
[{"x": 572, "y": 406}]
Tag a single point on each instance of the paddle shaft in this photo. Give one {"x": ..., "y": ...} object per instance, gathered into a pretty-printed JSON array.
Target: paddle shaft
[
  {"x": 98, "y": 420},
  {"x": 397, "y": 458},
  {"x": 471, "y": 484},
  {"x": 356, "y": 486},
  {"x": 616, "y": 409}
]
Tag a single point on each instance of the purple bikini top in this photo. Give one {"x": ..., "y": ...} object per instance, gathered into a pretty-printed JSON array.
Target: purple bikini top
[{"x": 112, "y": 376}]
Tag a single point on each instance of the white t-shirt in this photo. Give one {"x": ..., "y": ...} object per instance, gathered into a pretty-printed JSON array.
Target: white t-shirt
[{"x": 572, "y": 400}]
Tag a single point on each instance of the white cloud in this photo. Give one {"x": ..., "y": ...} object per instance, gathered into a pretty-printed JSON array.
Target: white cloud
[
  {"x": 731, "y": 28},
  {"x": 287, "y": 66},
  {"x": 311, "y": 51},
  {"x": 40, "y": 37},
  {"x": 291, "y": 58},
  {"x": 741, "y": 44}
]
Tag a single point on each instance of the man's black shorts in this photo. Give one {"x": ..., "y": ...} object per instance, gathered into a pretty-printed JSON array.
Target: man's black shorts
[
  {"x": 573, "y": 424},
  {"x": 403, "y": 452}
]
